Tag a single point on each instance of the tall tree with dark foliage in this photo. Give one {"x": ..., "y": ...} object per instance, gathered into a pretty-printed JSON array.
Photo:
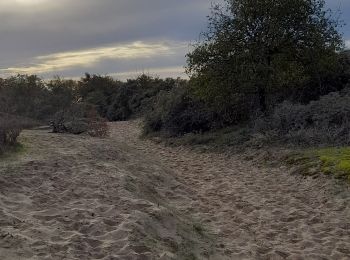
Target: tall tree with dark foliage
[{"x": 254, "y": 48}]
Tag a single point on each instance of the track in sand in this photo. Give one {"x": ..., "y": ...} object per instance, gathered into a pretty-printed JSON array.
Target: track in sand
[{"x": 76, "y": 197}]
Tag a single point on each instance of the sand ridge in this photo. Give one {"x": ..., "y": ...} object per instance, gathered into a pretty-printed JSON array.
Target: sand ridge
[{"x": 76, "y": 197}]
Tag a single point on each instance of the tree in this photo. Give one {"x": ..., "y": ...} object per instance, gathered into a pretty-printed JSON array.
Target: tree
[
  {"x": 256, "y": 47},
  {"x": 24, "y": 95},
  {"x": 97, "y": 90},
  {"x": 62, "y": 94}
]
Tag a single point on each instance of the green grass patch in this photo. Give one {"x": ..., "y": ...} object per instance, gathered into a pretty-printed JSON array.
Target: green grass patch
[
  {"x": 335, "y": 161},
  {"x": 10, "y": 151},
  {"x": 331, "y": 161}
]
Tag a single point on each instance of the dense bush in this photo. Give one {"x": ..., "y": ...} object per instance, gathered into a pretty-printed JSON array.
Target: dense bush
[
  {"x": 176, "y": 113},
  {"x": 136, "y": 97},
  {"x": 10, "y": 129},
  {"x": 24, "y": 96},
  {"x": 117, "y": 100},
  {"x": 119, "y": 109},
  {"x": 31, "y": 97},
  {"x": 242, "y": 65},
  {"x": 97, "y": 90},
  {"x": 79, "y": 118},
  {"x": 61, "y": 94},
  {"x": 333, "y": 80},
  {"x": 325, "y": 121}
]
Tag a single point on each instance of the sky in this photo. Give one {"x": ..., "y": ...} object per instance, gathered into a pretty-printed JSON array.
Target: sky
[{"x": 120, "y": 38}]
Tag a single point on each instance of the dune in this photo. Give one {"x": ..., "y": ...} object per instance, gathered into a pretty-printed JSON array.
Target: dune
[{"x": 77, "y": 197}]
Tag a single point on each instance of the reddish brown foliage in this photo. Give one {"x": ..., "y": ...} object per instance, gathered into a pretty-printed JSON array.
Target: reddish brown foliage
[{"x": 98, "y": 126}]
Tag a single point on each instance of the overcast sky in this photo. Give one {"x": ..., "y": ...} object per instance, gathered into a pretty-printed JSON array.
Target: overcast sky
[{"x": 121, "y": 38}]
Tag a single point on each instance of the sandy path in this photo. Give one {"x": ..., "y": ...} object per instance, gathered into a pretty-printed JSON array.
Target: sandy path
[
  {"x": 257, "y": 213},
  {"x": 77, "y": 197},
  {"x": 73, "y": 197}
]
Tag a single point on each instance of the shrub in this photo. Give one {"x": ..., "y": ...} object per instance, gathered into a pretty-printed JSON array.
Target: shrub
[
  {"x": 135, "y": 97},
  {"x": 97, "y": 126},
  {"x": 23, "y": 96},
  {"x": 61, "y": 94},
  {"x": 176, "y": 113},
  {"x": 78, "y": 119},
  {"x": 30, "y": 97},
  {"x": 71, "y": 120},
  {"x": 9, "y": 134},
  {"x": 10, "y": 129},
  {"x": 120, "y": 109},
  {"x": 326, "y": 121}
]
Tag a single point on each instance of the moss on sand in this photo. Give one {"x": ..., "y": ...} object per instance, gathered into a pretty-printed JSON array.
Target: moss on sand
[{"x": 331, "y": 161}]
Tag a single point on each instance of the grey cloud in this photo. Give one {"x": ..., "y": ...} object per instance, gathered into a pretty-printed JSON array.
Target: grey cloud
[
  {"x": 86, "y": 23},
  {"x": 50, "y": 27}
]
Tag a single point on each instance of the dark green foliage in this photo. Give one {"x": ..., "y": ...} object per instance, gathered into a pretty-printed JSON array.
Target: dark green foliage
[
  {"x": 31, "y": 97},
  {"x": 62, "y": 93},
  {"x": 325, "y": 121},
  {"x": 176, "y": 113},
  {"x": 79, "y": 118},
  {"x": 10, "y": 128},
  {"x": 119, "y": 109},
  {"x": 100, "y": 91},
  {"x": 256, "y": 52},
  {"x": 321, "y": 122},
  {"x": 97, "y": 90},
  {"x": 255, "y": 55},
  {"x": 146, "y": 89},
  {"x": 72, "y": 119},
  {"x": 24, "y": 96},
  {"x": 333, "y": 80},
  {"x": 122, "y": 100},
  {"x": 135, "y": 97}
]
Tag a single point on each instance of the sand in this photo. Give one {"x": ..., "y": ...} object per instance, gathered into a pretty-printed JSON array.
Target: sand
[{"x": 77, "y": 197}]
